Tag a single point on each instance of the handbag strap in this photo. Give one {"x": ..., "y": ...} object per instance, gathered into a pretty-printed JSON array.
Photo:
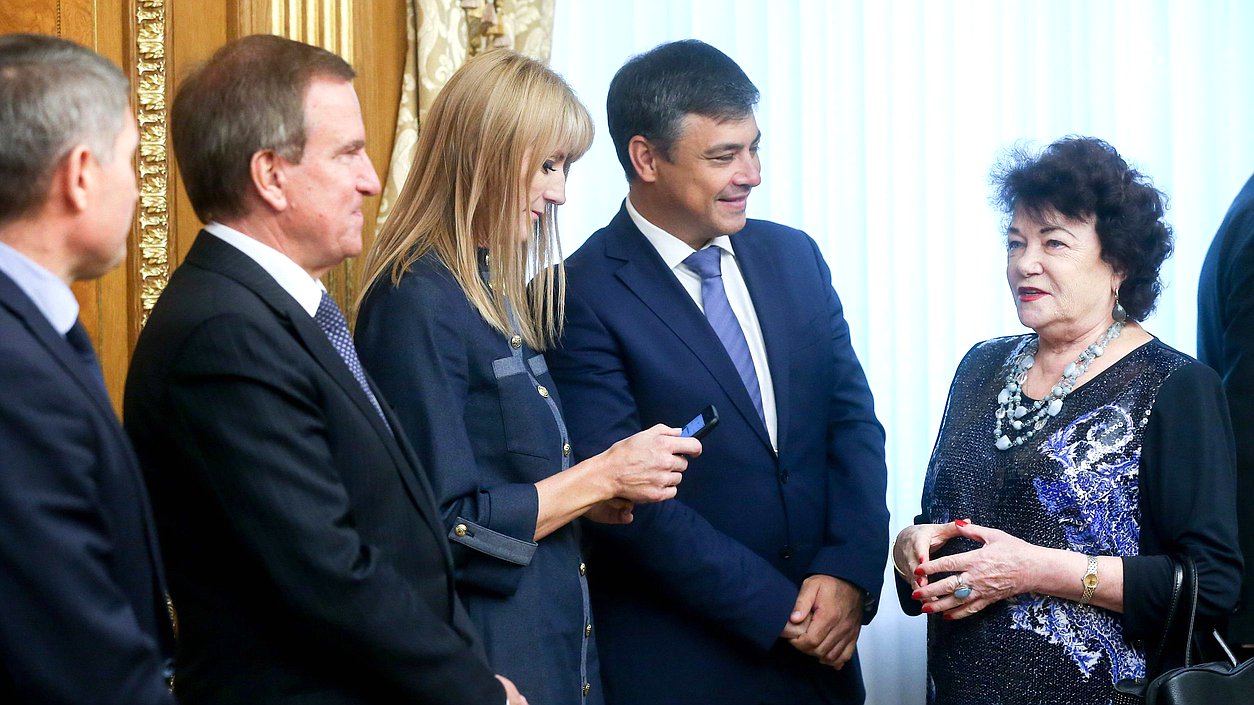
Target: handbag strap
[
  {"x": 1186, "y": 575},
  {"x": 1155, "y": 661}
]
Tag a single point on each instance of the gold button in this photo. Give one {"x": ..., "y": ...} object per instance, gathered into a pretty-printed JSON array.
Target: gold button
[
  {"x": 587, "y": 631},
  {"x": 583, "y": 568},
  {"x": 460, "y": 530},
  {"x": 515, "y": 342},
  {"x": 566, "y": 450},
  {"x": 544, "y": 391},
  {"x": 587, "y": 688}
]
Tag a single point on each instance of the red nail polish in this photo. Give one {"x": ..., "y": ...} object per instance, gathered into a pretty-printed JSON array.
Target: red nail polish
[
  {"x": 916, "y": 594},
  {"x": 919, "y": 582},
  {"x": 927, "y": 609},
  {"x": 946, "y": 617},
  {"x": 962, "y": 522},
  {"x": 920, "y": 572}
]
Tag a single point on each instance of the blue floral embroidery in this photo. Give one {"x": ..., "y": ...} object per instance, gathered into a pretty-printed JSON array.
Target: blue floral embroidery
[{"x": 1095, "y": 500}]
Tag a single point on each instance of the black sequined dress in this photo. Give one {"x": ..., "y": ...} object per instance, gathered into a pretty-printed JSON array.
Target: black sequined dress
[{"x": 1075, "y": 485}]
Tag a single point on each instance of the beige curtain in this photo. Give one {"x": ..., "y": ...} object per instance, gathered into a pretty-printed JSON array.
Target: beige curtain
[{"x": 443, "y": 34}]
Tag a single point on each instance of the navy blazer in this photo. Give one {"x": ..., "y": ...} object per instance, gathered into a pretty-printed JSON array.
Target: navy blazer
[
  {"x": 469, "y": 399},
  {"x": 1225, "y": 341},
  {"x": 82, "y": 610},
  {"x": 691, "y": 597},
  {"x": 305, "y": 554}
]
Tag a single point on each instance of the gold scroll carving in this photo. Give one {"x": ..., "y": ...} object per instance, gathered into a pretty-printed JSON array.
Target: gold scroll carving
[{"x": 153, "y": 166}]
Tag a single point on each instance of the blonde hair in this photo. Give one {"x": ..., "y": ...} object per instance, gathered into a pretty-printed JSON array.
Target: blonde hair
[{"x": 493, "y": 125}]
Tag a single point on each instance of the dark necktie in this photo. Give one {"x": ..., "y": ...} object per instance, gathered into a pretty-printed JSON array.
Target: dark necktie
[
  {"x": 718, "y": 311},
  {"x": 79, "y": 340},
  {"x": 331, "y": 320}
]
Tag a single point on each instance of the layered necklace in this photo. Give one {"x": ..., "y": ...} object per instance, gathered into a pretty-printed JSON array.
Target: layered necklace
[{"x": 1023, "y": 422}]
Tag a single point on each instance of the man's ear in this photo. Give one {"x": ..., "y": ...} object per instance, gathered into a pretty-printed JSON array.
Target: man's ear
[
  {"x": 644, "y": 157},
  {"x": 266, "y": 170},
  {"x": 75, "y": 179}
]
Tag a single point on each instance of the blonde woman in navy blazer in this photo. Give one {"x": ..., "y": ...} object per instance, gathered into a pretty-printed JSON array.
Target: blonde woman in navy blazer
[{"x": 453, "y": 334}]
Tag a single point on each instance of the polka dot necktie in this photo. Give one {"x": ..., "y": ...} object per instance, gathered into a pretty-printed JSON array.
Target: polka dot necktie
[{"x": 331, "y": 320}]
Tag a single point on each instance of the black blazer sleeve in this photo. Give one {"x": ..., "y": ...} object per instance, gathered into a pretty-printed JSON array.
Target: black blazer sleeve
[
  {"x": 241, "y": 404},
  {"x": 1188, "y": 503}
]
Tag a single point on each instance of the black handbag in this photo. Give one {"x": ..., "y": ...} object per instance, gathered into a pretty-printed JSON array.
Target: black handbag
[{"x": 1210, "y": 683}]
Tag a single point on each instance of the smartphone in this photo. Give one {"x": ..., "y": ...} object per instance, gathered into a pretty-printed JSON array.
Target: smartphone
[{"x": 700, "y": 426}]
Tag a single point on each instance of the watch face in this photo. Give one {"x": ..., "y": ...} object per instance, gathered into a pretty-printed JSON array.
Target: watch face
[{"x": 1090, "y": 581}]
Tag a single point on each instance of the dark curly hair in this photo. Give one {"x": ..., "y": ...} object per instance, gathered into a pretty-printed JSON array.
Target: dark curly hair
[{"x": 1083, "y": 177}]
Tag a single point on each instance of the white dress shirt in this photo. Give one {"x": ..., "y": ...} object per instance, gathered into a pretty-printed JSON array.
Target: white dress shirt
[
  {"x": 673, "y": 252},
  {"x": 291, "y": 276},
  {"x": 53, "y": 297}
]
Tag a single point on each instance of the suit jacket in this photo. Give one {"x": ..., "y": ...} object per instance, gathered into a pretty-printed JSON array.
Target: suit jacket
[
  {"x": 305, "y": 553},
  {"x": 1225, "y": 341},
  {"x": 83, "y": 617},
  {"x": 691, "y": 597},
  {"x": 468, "y": 399}
]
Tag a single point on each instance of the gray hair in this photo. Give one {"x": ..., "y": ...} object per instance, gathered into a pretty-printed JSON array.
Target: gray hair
[{"x": 54, "y": 94}]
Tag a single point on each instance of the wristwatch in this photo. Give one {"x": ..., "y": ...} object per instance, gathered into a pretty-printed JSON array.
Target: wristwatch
[{"x": 1089, "y": 581}]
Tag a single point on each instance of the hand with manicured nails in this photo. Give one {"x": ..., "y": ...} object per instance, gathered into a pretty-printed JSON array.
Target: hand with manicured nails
[
  {"x": 915, "y": 545},
  {"x": 1003, "y": 567}
]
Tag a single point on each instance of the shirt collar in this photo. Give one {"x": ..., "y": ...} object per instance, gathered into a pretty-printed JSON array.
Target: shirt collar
[
  {"x": 673, "y": 250},
  {"x": 295, "y": 280},
  {"x": 53, "y": 297}
]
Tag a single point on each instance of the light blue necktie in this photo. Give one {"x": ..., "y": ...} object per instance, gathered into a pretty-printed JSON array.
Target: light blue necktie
[
  {"x": 331, "y": 320},
  {"x": 718, "y": 311}
]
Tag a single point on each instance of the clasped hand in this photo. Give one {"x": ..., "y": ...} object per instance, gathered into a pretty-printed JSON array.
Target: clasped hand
[
  {"x": 1001, "y": 568},
  {"x": 826, "y": 620}
]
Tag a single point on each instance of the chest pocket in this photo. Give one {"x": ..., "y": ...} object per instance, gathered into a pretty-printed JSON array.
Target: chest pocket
[{"x": 530, "y": 416}]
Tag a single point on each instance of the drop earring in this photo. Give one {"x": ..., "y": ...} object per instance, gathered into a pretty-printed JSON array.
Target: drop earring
[{"x": 1118, "y": 312}]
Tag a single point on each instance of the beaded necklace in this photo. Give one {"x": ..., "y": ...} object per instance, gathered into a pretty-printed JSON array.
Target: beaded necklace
[{"x": 1027, "y": 421}]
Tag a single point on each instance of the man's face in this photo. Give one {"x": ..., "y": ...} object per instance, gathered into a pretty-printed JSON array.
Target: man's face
[
  {"x": 99, "y": 243},
  {"x": 323, "y": 219},
  {"x": 703, "y": 189}
]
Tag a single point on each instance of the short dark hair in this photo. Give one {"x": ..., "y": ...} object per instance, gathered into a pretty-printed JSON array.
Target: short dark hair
[
  {"x": 653, "y": 92},
  {"x": 54, "y": 94},
  {"x": 1083, "y": 177},
  {"x": 249, "y": 97}
]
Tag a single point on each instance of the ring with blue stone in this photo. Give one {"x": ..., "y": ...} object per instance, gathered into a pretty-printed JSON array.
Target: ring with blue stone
[{"x": 963, "y": 591}]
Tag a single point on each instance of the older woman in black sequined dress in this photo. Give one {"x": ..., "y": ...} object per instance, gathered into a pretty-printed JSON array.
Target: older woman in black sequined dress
[{"x": 1071, "y": 462}]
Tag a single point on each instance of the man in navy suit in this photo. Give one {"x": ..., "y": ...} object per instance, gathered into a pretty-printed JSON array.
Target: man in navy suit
[
  {"x": 82, "y": 609},
  {"x": 751, "y": 586},
  {"x": 307, "y": 558},
  {"x": 1225, "y": 341}
]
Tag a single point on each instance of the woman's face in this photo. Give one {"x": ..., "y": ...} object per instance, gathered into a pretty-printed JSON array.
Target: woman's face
[
  {"x": 547, "y": 185},
  {"x": 1061, "y": 286}
]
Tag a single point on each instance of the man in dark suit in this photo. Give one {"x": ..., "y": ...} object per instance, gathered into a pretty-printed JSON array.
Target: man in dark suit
[
  {"x": 751, "y": 586},
  {"x": 1225, "y": 341},
  {"x": 307, "y": 559},
  {"x": 82, "y": 609}
]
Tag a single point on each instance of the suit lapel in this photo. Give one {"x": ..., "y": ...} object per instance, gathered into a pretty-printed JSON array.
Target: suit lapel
[
  {"x": 647, "y": 276},
  {"x": 213, "y": 254},
  {"x": 14, "y": 299},
  {"x": 763, "y": 278}
]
